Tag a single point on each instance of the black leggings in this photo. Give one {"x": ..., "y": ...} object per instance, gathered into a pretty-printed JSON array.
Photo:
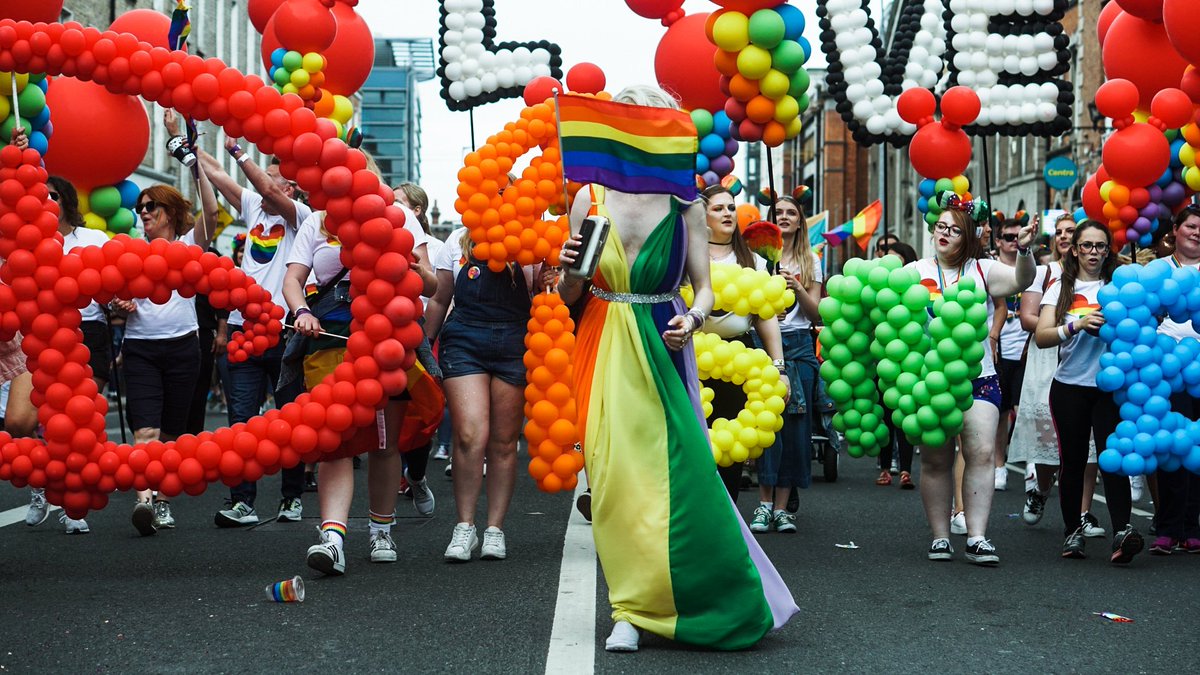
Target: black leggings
[
  {"x": 1178, "y": 507},
  {"x": 898, "y": 440},
  {"x": 417, "y": 460},
  {"x": 1080, "y": 413}
]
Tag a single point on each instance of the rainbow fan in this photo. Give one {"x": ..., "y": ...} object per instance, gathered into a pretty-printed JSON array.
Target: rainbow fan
[{"x": 766, "y": 239}]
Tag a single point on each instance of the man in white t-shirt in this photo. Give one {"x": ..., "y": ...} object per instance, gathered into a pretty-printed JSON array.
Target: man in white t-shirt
[{"x": 273, "y": 215}]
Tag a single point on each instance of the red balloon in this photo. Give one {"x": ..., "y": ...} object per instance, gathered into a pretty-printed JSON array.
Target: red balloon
[
  {"x": 261, "y": 11},
  {"x": 746, "y": 6},
  {"x": 1148, "y": 10},
  {"x": 938, "y": 152},
  {"x": 145, "y": 24},
  {"x": 960, "y": 106},
  {"x": 1182, "y": 23},
  {"x": 304, "y": 26},
  {"x": 1137, "y": 155},
  {"x": 1140, "y": 51},
  {"x": 586, "y": 78},
  {"x": 79, "y": 154},
  {"x": 1117, "y": 99},
  {"x": 684, "y": 65},
  {"x": 349, "y": 58},
  {"x": 916, "y": 104},
  {"x": 1107, "y": 15},
  {"x": 46, "y": 11},
  {"x": 1173, "y": 107},
  {"x": 654, "y": 9},
  {"x": 538, "y": 90}
]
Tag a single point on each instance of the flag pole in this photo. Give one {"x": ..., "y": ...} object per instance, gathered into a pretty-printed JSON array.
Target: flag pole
[{"x": 562, "y": 163}]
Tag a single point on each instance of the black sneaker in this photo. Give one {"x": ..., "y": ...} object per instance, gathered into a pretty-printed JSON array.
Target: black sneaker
[
  {"x": 941, "y": 550},
  {"x": 310, "y": 481},
  {"x": 1035, "y": 506},
  {"x": 1126, "y": 545},
  {"x": 584, "y": 504},
  {"x": 793, "y": 503},
  {"x": 1073, "y": 546},
  {"x": 982, "y": 553}
]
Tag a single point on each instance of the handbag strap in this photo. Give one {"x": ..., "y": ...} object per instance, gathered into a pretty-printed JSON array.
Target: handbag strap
[{"x": 327, "y": 287}]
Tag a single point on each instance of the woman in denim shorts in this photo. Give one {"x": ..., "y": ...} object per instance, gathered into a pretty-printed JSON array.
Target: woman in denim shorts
[{"x": 481, "y": 352}]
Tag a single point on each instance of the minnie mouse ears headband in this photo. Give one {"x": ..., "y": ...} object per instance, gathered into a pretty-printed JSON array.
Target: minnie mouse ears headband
[
  {"x": 766, "y": 198},
  {"x": 976, "y": 208}
]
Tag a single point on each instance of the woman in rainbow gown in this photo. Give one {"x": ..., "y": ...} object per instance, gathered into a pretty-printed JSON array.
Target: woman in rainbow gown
[{"x": 678, "y": 558}]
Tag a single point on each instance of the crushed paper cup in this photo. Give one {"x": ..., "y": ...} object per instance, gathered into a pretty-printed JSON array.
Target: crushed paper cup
[{"x": 291, "y": 590}]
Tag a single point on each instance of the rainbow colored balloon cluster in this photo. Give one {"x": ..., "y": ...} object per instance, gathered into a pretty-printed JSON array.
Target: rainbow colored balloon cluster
[
  {"x": 35, "y": 114},
  {"x": 296, "y": 73}
]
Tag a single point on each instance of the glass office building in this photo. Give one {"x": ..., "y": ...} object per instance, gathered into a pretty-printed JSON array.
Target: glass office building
[{"x": 391, "y": 109}]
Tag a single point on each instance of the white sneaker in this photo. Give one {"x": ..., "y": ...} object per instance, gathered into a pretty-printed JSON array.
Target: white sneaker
[
  {"x": 163, "y": 519},
  {"x": 1031, "y": 478},
  {"x": 442, "y": 453},
  {"x": 74, "y": 526},
  {"x": 383, "y": 549},
  {"x": 624, "y": 638},
  {"x": 958, "y": 523},
  {"x": 327, "y": 557},
  {"x": 290, "y": 510},
  {"x": 39, "y": 510},
  {"x": 423, "y": 500},
  {"x": 463, "y": 543},
  {"x": 1091, "y": 527},
  {"x": 1137, "y": 488},
  {"x": 240, "y": 515},
  {"x": 1001, "y": 478},
  {"x": 493, "y": 545}
]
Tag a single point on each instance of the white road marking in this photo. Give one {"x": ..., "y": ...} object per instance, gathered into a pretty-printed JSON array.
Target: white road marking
[
  {"x": 1020, "y": 471},
  {"x": 17, "y": 515},
  {"x": 573, "y": 637}
]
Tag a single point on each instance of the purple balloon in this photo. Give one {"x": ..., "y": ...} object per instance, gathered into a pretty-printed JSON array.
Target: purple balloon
[
  {"x": 711, "y": 178},
  {"x": 1150, "y": 211},
  {"x": 731, "y": 147},
  {"x": 1155, "y": 193},
  {"x": 1142, "y": 225},
  {"x": 1174, "y": 194},
  {"x": 1132, "y": 234},
  {"x": 721, "y": 165}
]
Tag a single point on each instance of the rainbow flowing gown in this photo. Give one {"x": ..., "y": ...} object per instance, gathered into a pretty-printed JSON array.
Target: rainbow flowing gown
[{"x": 679, "y": 560}]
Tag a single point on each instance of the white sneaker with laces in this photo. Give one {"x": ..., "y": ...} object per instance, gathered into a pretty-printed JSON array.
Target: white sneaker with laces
[
  {"x": 74, "y": 526},
  {"x": 162, "y": 516},
  {"x": 290, "y": 510},
  {"x": 1091, "y": 527},
  {"x": 383, "y": 549},
  {"x": 240, "y": 515},
  {"x": 39, "y": 510},
  {"x": 1001, "y": 478},
  {"x": 624, "y": 638},
  {"x": 423, "y": 500},
  {"x": 958, "y": 523},
  {"x": 463, "y": 543},
  {"x": 1137, "y": 488},
  {"x": 493, "y": 545},
  {"x": 327, "y": 557}
]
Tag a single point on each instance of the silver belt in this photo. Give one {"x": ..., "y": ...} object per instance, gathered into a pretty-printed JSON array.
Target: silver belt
[{"x": 634, "y": 298}]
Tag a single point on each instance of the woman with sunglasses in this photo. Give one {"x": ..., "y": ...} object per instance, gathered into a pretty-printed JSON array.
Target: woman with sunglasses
[
  {"x": 1177, "y": 508},
  {"x": 1070, "y": 320},
  {"x": 884, "y": 245},
  {"x": 161, "y": 350},
  {"x": 726, "y": 246},
  {"x": 958, "y": 255},
  {"x": 1034, "y": 440}
]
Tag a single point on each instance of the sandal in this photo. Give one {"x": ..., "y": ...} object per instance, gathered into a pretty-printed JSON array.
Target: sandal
[
  {"x": 884, "y": 479},
  {"x": 906, "y": 482}
]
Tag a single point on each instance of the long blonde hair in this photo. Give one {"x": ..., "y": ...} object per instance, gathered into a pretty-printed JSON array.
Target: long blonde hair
[{"x": 800, "y": 249}]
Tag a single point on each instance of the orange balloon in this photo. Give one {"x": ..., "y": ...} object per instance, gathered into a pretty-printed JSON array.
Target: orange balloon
[
  {"x": 760, "y": 110},
  {"x": 742, "y": 88}
]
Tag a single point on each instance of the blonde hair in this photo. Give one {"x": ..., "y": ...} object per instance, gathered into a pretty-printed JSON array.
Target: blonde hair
[
  {"x": 800, "y": 247},
  {"x": 648, "y": 96}
]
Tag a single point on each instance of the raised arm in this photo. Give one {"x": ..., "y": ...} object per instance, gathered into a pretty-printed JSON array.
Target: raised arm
[
  {"x": 697, "y": 260},
  {"x": 223, "y": 182},
  {"x": 1003, "y": 280},
  {"x": 275, "y": 200},
  {"x": 207, "y": 225}
]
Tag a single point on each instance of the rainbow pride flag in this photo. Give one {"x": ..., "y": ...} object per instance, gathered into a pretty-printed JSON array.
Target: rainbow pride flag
[
  {"x": 628, "y": 148},
  {"x": 816, "y": 228},
  {"x": 861, "y": 227}
]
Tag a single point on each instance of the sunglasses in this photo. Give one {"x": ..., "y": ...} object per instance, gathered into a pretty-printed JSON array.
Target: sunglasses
[
  {"x": 1008, "y": 237},
  {"x": 147, "y": 207},
  {"x": 54, "y": 196}
]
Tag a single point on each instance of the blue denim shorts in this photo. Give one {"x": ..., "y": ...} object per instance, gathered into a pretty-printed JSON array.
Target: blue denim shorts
[{"x": 472, "y": 349}]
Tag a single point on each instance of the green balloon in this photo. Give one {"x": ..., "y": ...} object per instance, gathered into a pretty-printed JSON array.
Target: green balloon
[
  {"x": 899, "y": 316},
  {"x": 788, "y": 57},
  {"x": 933, "y": 438},
  {"x": 877, "y": 278},
  {"x": 912, "y": 363},
  {"x": 927, "y": 418},
  {"x": 885, "y": 333},
  {"x": 840, "y": 354},
  {"x": 876, "y": 351},
  {"x": 976, "y": 315},
  {"x": 952, "y": 422},
  {"x": 852, "y": 290},
  {"x": 934, "y": 363},
  {"x": 942, "y": 404},
  {"x": 121, "y": 221},
  {"x": 974, "y": 370},
  {"x": 852, "y": 419},
  {"x": 853, "y": 434},
  {"x": 949, "y": 350},
  {"x": 891, "y": 398},
  {"x": 870, "y": 421},
  {"x": 853, "y": 312},
  {"x": 965, "y": 334},
  {"x": 938, "y": 330},
  {"x": 839, "y": 423},
  {"x": 32, "y": 101},
  {"x": 829, "y": 308},
  {"x": 293, "y": 60},
  {"x": 893, "y": 264},
  {"x": 942, "y": 185},
  {"x": 964, "y": 404},
  {"x": 937, "y": 382},
  {"x": 703, "y": 121},
  {"x": 956, "y": 371},
  {"x": 912, "y": 333},
  {"x": 840, "y": 392},
  {"x": 921, "y": 393},
  {"x": 961, "y": 390},
  {"x": 916, "y": 298},
  {"x": 767, "y": 28},
  {"x": 854, "y": 373},
  {"x": 830, "y": 371},
  {"x": 896, "y": 350},
  {"x": 906, "y": 382},
  {"x": 834, "y": 287},
  {"x": 826, "y": 339},
  {"x": 966, "y": 284},
  {"x": 910, "y": 426},
  {"x": 851, "y": 268},
  {"x": 972, "y": 353},
  {"x": 931, "y": 218},
  {"x": 887, "y": 299},
  {"x": 952, "y": 313},
  {"x": 908, "y": 404},
  {"x": 105, "y": 201},
  {"x": 868, "y": 441},
  {"x": 865, "y": 390},
  {"x": 281, "y": 76},
  {"x": 7, "y": 126},
  {"x": 841, "y": 329},
  {"x": 852, "y": 449},
  {"x": 877, "y": 316},
  {"x": 858, "y": 343}
]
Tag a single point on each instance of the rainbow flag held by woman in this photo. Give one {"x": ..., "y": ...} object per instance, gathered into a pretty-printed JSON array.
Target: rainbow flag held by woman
[{"x": 629, "y": 148}]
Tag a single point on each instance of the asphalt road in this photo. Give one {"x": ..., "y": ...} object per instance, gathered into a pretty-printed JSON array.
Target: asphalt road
[{"x": 192, "y": 600}]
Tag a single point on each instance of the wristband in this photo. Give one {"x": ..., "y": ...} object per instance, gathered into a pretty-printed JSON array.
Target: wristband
[
  {"x": 233, "y": 152},
  {"x": 697, "y": 319},
  {"x": 1064, "y": 334},
  {"x": 1071, "y": 329},
  {"x": 1023, "y": 250},
  {"x": 302, "y": 311},
  {"x": 779, "y": 364},
  {"x": 243, "y": 159}
]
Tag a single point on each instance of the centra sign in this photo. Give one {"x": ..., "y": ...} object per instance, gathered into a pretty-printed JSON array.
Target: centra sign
[{"x": 1061, "y": 173}]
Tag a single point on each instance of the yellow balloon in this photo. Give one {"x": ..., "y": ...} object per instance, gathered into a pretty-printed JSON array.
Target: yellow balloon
[
  {"x": 754, "y": 63},
  {"x": 313, "y": 62},
  {"x": 343, "y": 109},
  {"x": 6, "y": 108},
  {"x": 740, "y": 453},
  {"x": 94, "y": 222},
  {"x": 961, "y": 184},
  {"x": 731, "y": 31},
  {"x": 774, "y": 85},
  {"x": 300, "y": 78}
]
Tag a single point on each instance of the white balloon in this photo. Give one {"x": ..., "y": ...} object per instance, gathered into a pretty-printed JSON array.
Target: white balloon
[
  {"x": 474, "y": 50},
  {"x": 521, "y": 56},
  {"x": 1029, "y": 113},
  {"x": 505, "y": 78},
  {"x": 470, "y": 68},
  {"x": 473, "y": 86},
  {"x": 541, "y": 70},
  {"x": 487, "y": 61},
  {"x": 871, "y": 70},
  {"x": 1047, "y": 60},
  {"x": 473, "y": 35},
  {"x": 1012, "y": 64},
  {"x": 985, "y": 117},
  {"x": 452, "y": 53},
  {"x": 476, "y": 20},
  {"x": 876, "y": 124},
  {"x": 874, "y": 88},
  {"x": 1047, "y": 112},
  {"x": 503, "y": 59},
  {"x": 453, "y": 37},
  {"x": 457, "y": 91},
  {"x": 455, "y": 21},
  {"x": 1029, "y": 66},
  {"x": 854, "y": 74},
  {"x": 523, "y": 74},
  {"x": 489, "y": 82},
  {"x": 882, "y": 104},
  {"x": 540, "y": 56},
  {"x": 967, "y": 78},
  {"x": 1024, "y": 7},
  {"x": 863, "y": 109},
  {"x": 1043, "y": 7},
  {"x": 454, "y": 71},
  {"x": 856, "y": 92}
]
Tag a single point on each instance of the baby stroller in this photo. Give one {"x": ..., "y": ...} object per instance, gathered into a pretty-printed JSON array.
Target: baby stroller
[{"x": 827, "y": 442}]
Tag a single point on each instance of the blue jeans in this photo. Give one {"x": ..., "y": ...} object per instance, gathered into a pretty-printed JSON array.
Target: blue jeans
[
  {"x": 247, "y": 389},
  {"x": 788, "y": 462}
]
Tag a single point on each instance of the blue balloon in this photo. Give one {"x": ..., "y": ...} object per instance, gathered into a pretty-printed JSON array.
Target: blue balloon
[
  {"x": 1170, "y": 464},
  {"x": 1146, "y": 239},
  {"x": 1150, "y": 376},
  {"x": 1169, "y": 293},
  {"x": 39, "y": 142},
  {"x": 712, "y": 145},
  {"x": 1164, "y": 343},
  {"x": 1123, "y": 275},
  {"x": 1191, "y": 373},
  {"x": 44, "y": 85},
  {"x": 1163, "y": 440},
  {"x": 277, "y": 56},
  {"x": 1142, "y": 355},
  {"x": 1151, "y": 464},
  {"x": 793, "y": 26},
  {"x": 129, "y": 193},
  {"x": 1192, "y": 461},
  {"x": 1126, "y": 329},
  {"x": 721, "y": 124},
  {"x": 1110, "y": 461},
  {"x": 1147, "y": 424},
  {"x": 1167, "y": 178},
  {"x": 1133, "y": 465},
  {"x": 1080, "y": 215},
  {"x": 804, "y": 44},
  {"x": 1110, "y": 379},
  {"x": 1126, "y": 429},
  {"x": 40, "y": 120},
  {"x": 926, "y": 187},
  {"x": 1132, "y": 294},
  {"x": 1114, "y": 311},
  {"x": 923, "y": 205},
  {"x": 1141, "y": 314},
  {"x": 1124, "y": 361},
  {"x": 1181, "y": 443},
  {"x": 1162, "y": 389},
  {"x": 1108, "y": 333},
  {"x": 1130, "y": 411},
  {"x": 702, "y": 163}
]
